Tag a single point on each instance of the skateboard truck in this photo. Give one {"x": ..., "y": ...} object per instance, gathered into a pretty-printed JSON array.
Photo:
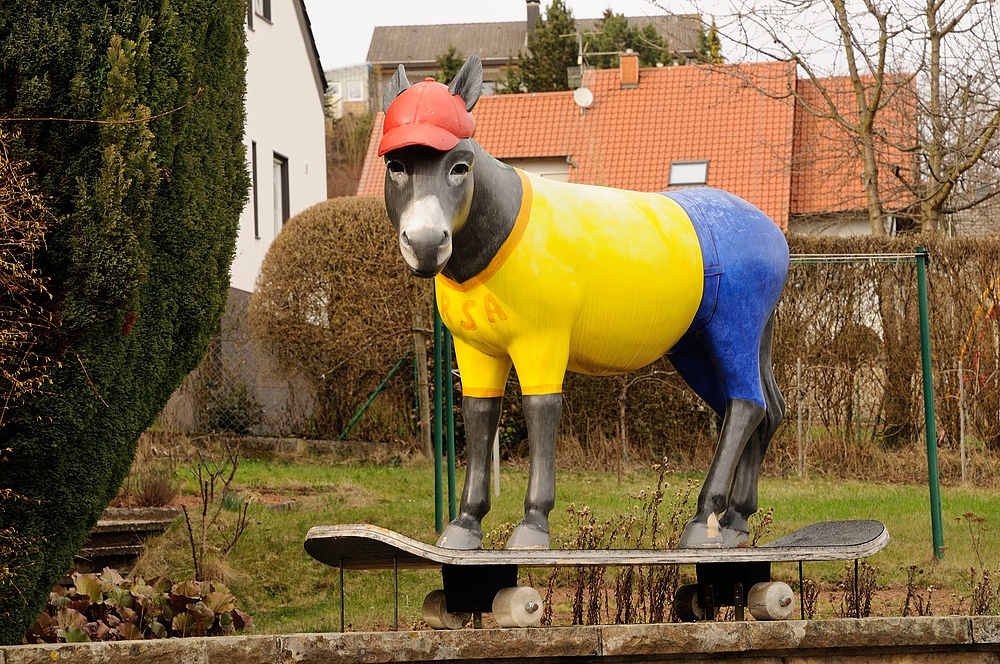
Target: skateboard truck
[
  {"x": 741, "y": 585},
  {"x": 472, "y": 590}
]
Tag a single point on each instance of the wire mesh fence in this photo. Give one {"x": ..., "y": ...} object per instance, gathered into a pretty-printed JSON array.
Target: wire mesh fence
[{"x": 236, "y": 389}]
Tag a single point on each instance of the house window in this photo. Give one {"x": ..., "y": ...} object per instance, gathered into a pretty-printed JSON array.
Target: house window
[
  {"x": 355, "y": 91},
  {"x": 281, "y": 205},
  {"x": 250, "y": 4},
  {"x": 335, "y": 90},
  {"x": 253, "y": 171},
  {"x": 262, "y": 8},
  {"x": 687, "y": 173}
]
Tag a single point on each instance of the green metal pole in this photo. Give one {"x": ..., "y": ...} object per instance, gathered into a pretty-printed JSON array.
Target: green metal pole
[
  {"x": 929, "y": 427},
  {"x": 449, "y": 418},
  {"x": 438, "y": 494}
]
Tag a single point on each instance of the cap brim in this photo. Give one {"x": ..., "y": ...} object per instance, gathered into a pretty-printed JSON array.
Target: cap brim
[{"x": 417, "y": 134}]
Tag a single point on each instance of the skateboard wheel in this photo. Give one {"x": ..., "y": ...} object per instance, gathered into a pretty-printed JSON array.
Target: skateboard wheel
[
  {"x": 686, "y": 604},
  {"x": 436, "y": 613},
  {"x": 520, "y": 606},
  {"x": 773, "y": 600}
]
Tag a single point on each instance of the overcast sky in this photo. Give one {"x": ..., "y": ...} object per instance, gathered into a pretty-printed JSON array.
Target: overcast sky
[{"x": 343, "y": 29}]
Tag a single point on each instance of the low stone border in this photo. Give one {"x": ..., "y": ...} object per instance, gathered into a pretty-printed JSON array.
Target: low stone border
[{"x": 958, "y": 638}]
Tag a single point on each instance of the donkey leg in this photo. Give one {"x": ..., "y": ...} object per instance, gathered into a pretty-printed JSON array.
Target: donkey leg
[
  {"x": 743, "y": 498},
  {"x": 481, "y": 416},
  {"x": 693, "y": 359},
  {"x": 716, "y": 364},
  {"x": 704, "y": 529},
  {"x": 541, "y": 414}
]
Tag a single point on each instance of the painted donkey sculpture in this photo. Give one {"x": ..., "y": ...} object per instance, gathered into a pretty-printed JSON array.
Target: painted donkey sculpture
[{"x": 548, "y": 277}]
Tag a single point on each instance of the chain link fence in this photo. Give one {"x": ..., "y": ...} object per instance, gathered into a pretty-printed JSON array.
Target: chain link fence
[{"x": 236, "y": 388}]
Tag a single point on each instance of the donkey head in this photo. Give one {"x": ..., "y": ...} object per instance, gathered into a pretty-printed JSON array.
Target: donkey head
[{"x": 429, "y": 161}]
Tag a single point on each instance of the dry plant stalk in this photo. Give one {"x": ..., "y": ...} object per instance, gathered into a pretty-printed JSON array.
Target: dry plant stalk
[
  {"x": 985, "y": 594},
  {"x": 213, "y": 474},
  {"x": 916, "y": 603},
  {"x": 810, "y": 594},
  {"x": 635, "y": 594},
  {"x": 26, "y": 307},
  {"x": 858, "y": 604}
]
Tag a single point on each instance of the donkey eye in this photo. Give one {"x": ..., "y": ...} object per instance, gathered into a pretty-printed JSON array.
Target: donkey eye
[
  {"x": 395, "y": 166},
  {"x": 459, "y": 169}
]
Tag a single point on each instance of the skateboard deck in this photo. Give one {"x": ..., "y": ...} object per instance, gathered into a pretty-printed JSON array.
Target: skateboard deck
[
  {"x": 482, "y": 581},
  {"x": 367, "y": 547}
]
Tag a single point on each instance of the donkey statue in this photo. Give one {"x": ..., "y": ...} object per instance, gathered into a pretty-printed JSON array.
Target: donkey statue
[{"x": 547, "y": 277}]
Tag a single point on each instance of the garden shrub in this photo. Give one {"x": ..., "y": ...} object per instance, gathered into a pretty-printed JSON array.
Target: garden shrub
[
  {"x": 334, "y": 305},
  {"x": 148, "y": 203}
]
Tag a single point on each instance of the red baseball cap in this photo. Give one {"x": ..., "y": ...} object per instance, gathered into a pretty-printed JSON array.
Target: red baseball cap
[{"x": 426, "y": 114}]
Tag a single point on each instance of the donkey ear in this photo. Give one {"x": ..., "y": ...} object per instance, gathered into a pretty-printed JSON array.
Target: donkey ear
[
  {"x": 396, "y": 84},
  {"x": 468, "y": 84}
]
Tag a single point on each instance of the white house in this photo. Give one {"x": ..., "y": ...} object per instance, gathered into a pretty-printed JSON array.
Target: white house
[
  {"x": 347, "y": 90},
  {"x": 285, "y": 128}
]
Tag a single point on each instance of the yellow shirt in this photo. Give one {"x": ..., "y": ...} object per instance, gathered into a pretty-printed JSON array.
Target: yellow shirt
[{"x": 595, "y": 280}]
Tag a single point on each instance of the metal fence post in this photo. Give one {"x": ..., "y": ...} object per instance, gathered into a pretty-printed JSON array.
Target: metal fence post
[
  {"x": 438, "y": 408},
  {"x": 930, "y": 426},
  {"x": 449, "y": 419}
]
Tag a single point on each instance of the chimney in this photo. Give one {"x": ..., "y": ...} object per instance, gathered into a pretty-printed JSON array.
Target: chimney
[
  {"x": 534, "y": 11},
  {"x": 629, "y": 69}
]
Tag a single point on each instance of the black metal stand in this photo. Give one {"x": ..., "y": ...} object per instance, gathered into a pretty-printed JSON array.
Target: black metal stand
[{"x": 725, "y": 584}]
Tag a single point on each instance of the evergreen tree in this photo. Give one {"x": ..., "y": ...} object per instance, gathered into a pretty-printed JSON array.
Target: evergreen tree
[
  {"x": 512, "y": 81},
  {"x": 553, "y": 49},
  {"x": 614, "y": 35},
  {"x": 448, "y": 64},
  {"x": 148, "y": 204},
  {"x": 710, "y": 45}
]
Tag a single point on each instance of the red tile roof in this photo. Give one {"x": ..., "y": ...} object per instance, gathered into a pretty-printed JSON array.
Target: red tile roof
[
  {"x": 628, "y": 137},
  {"x": 826, "y": 173}
]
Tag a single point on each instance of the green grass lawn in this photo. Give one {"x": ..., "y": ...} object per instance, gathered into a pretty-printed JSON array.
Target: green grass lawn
[{"x": 285, "y": 590}]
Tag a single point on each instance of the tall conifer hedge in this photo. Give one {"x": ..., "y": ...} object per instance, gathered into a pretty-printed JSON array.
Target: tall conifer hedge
[{"x": 148, "y": 208}]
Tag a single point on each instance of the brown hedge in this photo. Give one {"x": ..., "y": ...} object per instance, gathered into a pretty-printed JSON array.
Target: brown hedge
[{"x": 334, "y": 305}]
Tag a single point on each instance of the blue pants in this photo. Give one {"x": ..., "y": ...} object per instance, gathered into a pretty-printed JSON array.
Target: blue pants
[{"x": 746, "y": 263}]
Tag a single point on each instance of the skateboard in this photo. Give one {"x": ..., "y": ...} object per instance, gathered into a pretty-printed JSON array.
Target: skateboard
[{"x": 483, "y": 581}]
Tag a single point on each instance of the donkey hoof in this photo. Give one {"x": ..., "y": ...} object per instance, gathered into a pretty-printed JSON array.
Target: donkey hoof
[
  {"x": 461, "y": 536},
  {"x": 735, "y": 532},
  {"x": 527, "y": 536},
  {"x": 702, "y": 534},
  {"x": 734, "y": 538}
]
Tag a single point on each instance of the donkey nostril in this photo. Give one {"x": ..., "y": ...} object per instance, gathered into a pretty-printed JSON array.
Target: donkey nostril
[{"x": 404, "y": 239}]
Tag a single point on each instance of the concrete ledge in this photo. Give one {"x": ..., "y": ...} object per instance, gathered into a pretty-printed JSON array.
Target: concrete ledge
[{"x": 955, "y": 638}]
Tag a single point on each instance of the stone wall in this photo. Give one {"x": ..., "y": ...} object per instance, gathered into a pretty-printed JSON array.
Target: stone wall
[{"x": 885, "y": 640}]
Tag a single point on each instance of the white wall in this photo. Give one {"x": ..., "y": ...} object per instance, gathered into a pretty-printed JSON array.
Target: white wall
[
  {"x": 553, "y": 168},
  {"x": 285, "y": 116}
]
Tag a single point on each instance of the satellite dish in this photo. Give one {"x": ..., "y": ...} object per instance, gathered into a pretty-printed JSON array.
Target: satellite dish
[{"x": 583, "y": 97}]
